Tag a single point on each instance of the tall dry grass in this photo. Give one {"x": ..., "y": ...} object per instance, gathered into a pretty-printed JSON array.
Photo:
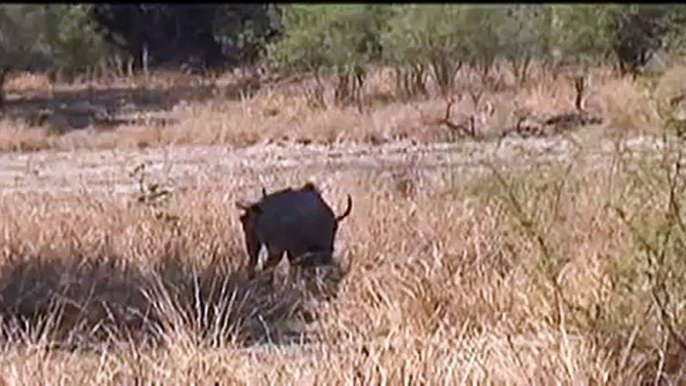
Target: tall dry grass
[
  {"x": 565, "y": 272},
  {"x": 283, "y": 112},
  {"x": 518, "y": 277}
]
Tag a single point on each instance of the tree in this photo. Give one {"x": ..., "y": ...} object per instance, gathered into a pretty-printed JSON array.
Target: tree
[
  {"x": 483, "y": 39},
  {"x": 70, "y": 37},
  {"x": 432, "y": 37},
  {"x": 675, "y": 23},
  {"x": 582, "y": 33},
  {"x": 20, "y": 39},
  {"x": 170, "y": 34},
  {"x": 56, "y": 37},
  {"x": 339, "y": 38},
  {"x": 638, "y": 32},
  {"x": 246, "y": 29},
  {"x": 524, "y": 34}
]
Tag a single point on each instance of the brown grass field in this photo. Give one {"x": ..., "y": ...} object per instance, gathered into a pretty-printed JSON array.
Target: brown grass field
[{"x": 521, "y": 261}]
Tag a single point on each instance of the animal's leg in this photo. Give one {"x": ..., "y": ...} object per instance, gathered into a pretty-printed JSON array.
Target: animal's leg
[
  {"x": 253, "y": 256},
  {"x": 294, "y": 270},
  {"x": 273, "y": 260}
]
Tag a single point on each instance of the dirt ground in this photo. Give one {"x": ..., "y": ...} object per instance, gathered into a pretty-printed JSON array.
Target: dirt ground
[{"x": 194, "y": 166}]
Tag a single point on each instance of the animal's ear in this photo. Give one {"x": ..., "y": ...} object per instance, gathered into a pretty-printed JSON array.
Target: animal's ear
[
  {"x": 248, "y": 207},
  {"x": 309, "y": 186}
]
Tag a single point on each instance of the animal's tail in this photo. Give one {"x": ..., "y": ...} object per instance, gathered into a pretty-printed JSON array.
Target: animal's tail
[{"x": 347, "y": 211}]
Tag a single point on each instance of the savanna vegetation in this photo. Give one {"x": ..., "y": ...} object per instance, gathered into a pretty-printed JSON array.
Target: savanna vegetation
[{"x": 516, "y": 171}]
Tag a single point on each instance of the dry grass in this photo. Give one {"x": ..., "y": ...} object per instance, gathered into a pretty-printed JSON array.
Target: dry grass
[
  {"x": 451, "y": 277},
  {"x": 446, "y": 285},
  {"x": 282, "y": 112}
]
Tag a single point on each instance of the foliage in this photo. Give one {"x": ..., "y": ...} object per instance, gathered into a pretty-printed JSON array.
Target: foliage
[
  {"x": 331, "y": 36},
  {"x": 77, "y": 45},
  {"x": 675, "y": 25},
  {"x": 484, "y": 38},
  {"x": 59, "y": 37},
  {"x": 246, "y": 29},
  {"x": 20, "y": 43},
  {"x": 420, "y": 41},
  {"x": 302, "y": 47},
  {"x": 432, "y": 36},
  {"x": 525, "y": 34},
  {"x": 582, "y": 32},
  {"x": 172, "y": 34},
  {"x": 638, "y": 32},
  {"x": 342, "y": 38},
  {"x": 56, "y": 38}
]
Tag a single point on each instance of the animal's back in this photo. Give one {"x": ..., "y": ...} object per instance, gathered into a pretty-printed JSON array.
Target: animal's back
[
  {"x": 296, "y": 219},
  {"x": 305, "y": 202}
]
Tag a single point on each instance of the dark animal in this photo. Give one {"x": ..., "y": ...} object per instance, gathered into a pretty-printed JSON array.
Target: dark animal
[{"x": 295, "y": 221}]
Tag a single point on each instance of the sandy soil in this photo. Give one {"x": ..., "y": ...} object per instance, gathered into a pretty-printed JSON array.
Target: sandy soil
[{"x": 192, "y": 166}]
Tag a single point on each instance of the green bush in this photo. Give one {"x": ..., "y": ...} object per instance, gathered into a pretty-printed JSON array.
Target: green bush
[
  {"x": 432, "y": 37},
  {"x": 339, "y": 39}
]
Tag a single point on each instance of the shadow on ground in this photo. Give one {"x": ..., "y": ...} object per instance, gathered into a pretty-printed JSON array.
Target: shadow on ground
[
  {"x": 107, "y": 108},
  {"x": 92, "y": 302}
]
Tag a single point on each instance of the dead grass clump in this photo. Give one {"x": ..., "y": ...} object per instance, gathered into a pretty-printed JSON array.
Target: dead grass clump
[
  {"x": 282, "y": 119},
  {"x": 629, "y": 108},
  {"x": 73, "y": 302},
  {"x": 26, "y": 81},
  {"x": 93, "y": 302},
  {"x": 16, "y": 136}
]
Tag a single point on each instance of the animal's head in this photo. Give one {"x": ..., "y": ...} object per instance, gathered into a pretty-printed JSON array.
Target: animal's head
[
  {"x": 250, "y": 211},
  {"x": 248, "y": 219}
]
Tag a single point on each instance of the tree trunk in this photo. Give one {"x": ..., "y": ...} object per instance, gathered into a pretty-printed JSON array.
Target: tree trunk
[
  {"x": 579, "y": 86},
  {"x": 345, "y": 87},
  {"x": 318, "y": 95},
  {"x": 525, "y": 69},
  {"x": 3, "y": 77},
  {"x": 130, "y": 66},
  {"x": 401, "y": 81},
  {"x": 144, "y": 58},
  {"x": 419, "y": 80},
  {"x": 360, "y": 77}
]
